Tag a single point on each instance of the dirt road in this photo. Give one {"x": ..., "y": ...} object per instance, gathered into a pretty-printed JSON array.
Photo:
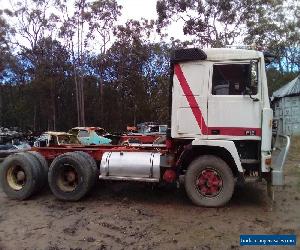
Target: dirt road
[{"x": 135, "y": 216}]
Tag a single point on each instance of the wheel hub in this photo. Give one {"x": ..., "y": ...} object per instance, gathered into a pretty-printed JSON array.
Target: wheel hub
[
  {"x": 20, "y": 176},
  {"x": 68, "y": 178},
  {"x": 16, "y": 177},
  {"x": 209, "y": 183}
]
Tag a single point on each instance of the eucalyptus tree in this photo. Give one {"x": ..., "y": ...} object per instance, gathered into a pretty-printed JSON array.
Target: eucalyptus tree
[
  {"x": 33, "y": 20},
  {"x": 102, "y": 17},
  {"x": 210, "y": 22},
  {"x": 5, "y": 31},
  {"x": 87, "y": 28},
  {"x": 275, "y": 26}
]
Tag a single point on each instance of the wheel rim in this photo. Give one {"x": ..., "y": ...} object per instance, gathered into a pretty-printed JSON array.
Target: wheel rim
[
  {"x": 67, "y": 178},
  {"x": 16, "y": 177},
  {"x": 209, "y": 183}
]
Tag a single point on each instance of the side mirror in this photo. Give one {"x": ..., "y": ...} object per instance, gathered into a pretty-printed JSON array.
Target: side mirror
[{"x": 252, "y": 79}]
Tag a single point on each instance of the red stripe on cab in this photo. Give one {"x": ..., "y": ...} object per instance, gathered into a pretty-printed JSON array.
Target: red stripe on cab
[{"x": 235, "y": 131}]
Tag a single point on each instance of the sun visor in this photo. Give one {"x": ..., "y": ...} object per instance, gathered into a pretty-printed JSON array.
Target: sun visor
[{"x": 184, "y": 55}]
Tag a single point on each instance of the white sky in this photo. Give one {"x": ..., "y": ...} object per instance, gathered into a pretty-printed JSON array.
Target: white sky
[{"x": 137, "y": 9}]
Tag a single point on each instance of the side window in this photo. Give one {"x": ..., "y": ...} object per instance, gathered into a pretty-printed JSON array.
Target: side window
[
  {"x": 83, "y": 133},
  {"x": 233, "y": 79}
]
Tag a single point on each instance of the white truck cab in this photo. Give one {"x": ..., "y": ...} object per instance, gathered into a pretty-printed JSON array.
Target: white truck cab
[{"x": 220, "y": 104}]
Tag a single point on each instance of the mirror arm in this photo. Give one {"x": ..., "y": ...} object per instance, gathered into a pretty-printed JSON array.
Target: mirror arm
[
  {"x": 250, "y": 95},
  {"x": 253, "y": 98}
]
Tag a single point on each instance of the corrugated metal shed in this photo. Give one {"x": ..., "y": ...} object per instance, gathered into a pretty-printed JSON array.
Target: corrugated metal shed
[
  {"x": 290, "y": 89},
  {"x": 286, "y": 102}
]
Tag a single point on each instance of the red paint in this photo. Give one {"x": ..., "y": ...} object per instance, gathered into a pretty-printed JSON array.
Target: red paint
[
  {"x": 169, "y": 144},
  {"x": 235, "y": 131},
  {"x": 209, "y": 183},
  {"x": 139, "y": 138},
  {"x": 169, "y": 176},
  {"x": 97, "y": 151},
  {"x": 190, "y": 98}
]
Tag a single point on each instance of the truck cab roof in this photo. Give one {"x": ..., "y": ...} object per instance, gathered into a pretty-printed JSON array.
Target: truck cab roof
[{"x": 222, "y": 54}]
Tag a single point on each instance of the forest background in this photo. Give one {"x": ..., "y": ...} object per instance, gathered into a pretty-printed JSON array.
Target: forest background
[{"x": 73, "y": 63}]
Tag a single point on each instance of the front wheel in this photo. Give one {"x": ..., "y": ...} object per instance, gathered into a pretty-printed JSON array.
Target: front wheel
[{"x": 209, "y": 181}]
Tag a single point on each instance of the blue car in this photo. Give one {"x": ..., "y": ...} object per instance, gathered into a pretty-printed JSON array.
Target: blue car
[{"x": 91, "y": 135}]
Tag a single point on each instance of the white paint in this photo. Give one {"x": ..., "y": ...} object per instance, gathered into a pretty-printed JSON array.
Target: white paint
[
  {"x": 223, "y": 54},
  {"x": 228, "y": 145},
  {"x": 184, "y": 123},
  {"x": 267, "y": 117}
]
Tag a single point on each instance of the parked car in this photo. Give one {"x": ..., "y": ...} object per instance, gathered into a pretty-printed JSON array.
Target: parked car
[
  {"x": 145, "y": 133},
  {"x": 91, "y": 135},
  {"x": 52, "y": 138}
]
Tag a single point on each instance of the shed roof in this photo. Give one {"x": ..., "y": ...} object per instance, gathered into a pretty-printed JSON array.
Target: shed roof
[{"x": 290, "y": 89}]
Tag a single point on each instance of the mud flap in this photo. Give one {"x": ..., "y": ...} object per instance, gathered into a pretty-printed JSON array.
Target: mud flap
[{"x": 279, "y": 155}]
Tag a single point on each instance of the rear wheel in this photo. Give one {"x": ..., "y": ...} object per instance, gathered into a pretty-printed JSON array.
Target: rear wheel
[
  {"x": 70, "y": 177},
  {"x": 93, "y": 165},
  {"x": 43, "y": 165},
  {"x": 209, "y": 181},
  {"x": 19, "y": 176}
]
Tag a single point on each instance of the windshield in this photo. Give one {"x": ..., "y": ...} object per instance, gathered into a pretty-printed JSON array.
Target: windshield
[
  {"x": 100, "y": 132},
  {"x": 67, "y": 139}
]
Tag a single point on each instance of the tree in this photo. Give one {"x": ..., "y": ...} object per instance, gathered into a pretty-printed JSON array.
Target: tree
[
  {"x": 5, "y": 35},
  {"x": 139, "y": 73},
  {"x": 48, "y": 69},
  {"x": 214, "y": 23},
  {"x": 101, "y": 18},
  {"x": 275, "y": 26},
  {"x": 35, "y": 21}
]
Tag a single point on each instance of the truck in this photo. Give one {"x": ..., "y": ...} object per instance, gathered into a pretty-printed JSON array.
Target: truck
[{"x": 220, "y": 133}]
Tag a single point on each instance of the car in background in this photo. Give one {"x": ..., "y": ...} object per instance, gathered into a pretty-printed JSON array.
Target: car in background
[
  {"x": 91, "y": 135},
  {"x": 52, "y": 138},
  {"x": 144, "y": 133}
]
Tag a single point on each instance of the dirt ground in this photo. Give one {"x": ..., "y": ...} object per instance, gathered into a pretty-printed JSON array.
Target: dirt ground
[{"x": 135, "y": 216}]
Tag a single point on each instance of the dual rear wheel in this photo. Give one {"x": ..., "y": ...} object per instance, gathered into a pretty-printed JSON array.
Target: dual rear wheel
[
  {"x": 70, "y": 176},
  {"x": 23, "y": 174}
]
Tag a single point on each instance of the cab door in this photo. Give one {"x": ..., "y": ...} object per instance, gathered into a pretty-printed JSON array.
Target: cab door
[
  {"x": 234, "y": 100},
  {"x": 189, "y": 100}
]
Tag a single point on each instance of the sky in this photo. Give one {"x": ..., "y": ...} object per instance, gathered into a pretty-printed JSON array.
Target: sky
[{"x": 137, "y": 9}]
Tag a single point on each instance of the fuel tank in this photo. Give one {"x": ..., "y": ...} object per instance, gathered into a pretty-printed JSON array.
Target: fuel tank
[{"x": 139, "y": 166}]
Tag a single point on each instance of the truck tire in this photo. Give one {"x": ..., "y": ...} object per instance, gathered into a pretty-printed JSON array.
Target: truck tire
[
  {"x": 70, "y": 176},
  {"x": 93, "y": 164},
  {"x": 37, "y": 166},
  {"x": 19, "y": 176},
  {"x": 209, "y": 181},
  {"x": 44, "y": 167}
]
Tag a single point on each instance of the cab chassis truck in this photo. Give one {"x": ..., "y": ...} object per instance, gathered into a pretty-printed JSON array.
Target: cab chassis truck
[{"x": 220, "y": 134}]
